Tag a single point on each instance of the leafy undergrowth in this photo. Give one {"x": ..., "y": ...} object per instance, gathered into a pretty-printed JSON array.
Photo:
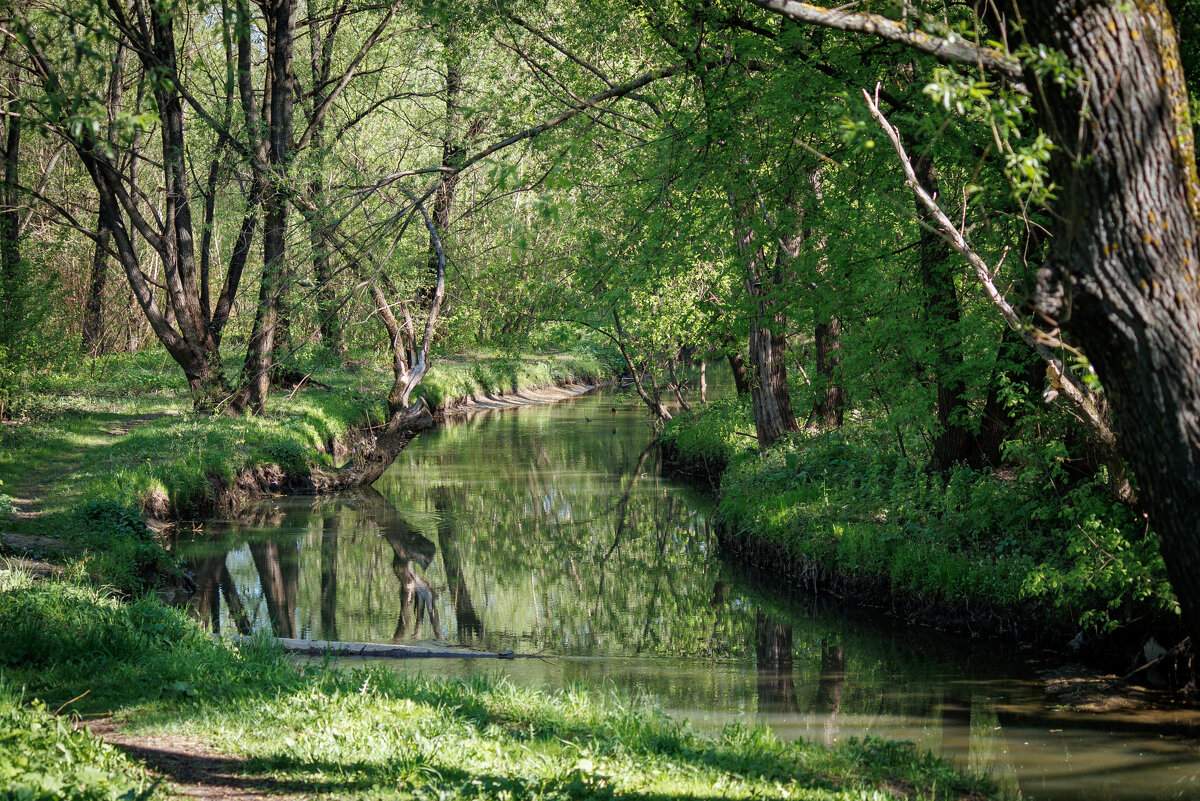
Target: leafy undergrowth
[
  {"x": 1031, "y": 538},
  {"x": 716, "y": 433},
  {"x": 375, "y": 734},
  {"x": 42, "y": 756}
]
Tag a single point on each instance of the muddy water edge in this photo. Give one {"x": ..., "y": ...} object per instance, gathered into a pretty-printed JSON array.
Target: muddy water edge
[{"x": 551, "y": 529}]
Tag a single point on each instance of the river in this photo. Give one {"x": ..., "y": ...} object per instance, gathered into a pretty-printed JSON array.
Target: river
[{"x": 550, "y": 530}]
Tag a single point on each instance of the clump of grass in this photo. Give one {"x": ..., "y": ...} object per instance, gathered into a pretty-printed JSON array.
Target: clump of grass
[
  {"x": 714, "y": 433},
  {"x": 374, "y": 733}
]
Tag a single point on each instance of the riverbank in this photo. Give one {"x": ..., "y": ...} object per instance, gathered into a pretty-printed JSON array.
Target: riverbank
[
  {"x": 212, "y": 718},
  {"x": 1024, "y": 554},
  {"x": 88, "y": 469}
]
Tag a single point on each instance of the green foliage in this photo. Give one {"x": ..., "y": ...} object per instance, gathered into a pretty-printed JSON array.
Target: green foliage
[
  {"x": 26, "y": 298},
  {"x": 1032, "y": 534},
  {"x": 122, "y": 551},
  {"x": 58, "y": 624},
  {"x": 44, "y": 757},
  {"x": 716, "y": 432}
]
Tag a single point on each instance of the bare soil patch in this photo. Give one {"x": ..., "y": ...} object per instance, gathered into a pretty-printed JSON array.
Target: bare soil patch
[{"x": 192, "y": 769}]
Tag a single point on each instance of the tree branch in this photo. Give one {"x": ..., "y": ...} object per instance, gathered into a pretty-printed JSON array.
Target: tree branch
[{"x": 948, "y": 49}]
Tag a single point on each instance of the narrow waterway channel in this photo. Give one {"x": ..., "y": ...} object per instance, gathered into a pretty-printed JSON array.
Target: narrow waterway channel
[{"x": 550, "y": 529}]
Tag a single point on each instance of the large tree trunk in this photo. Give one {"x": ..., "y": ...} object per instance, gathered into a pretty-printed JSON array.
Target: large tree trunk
[
  {"x": 955, "y": 441},
  {"x": 769, "y": 395},
  {"x": 256, "y": 373},
  {"x": 830, "y": 404},
  {"x": 1121, "y": 273}
]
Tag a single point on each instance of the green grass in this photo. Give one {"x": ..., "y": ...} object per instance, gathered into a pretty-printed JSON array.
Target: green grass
[
  {"x": 375, "y": 734},
  {"x": 43, "y": 757},
  {"x": 118, "y": 433},
  {"x": 1032, "y": 541},
  {"x": 715, "y": 433}
]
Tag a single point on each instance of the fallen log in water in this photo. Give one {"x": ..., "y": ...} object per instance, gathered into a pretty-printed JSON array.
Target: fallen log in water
[{"x": 380, "y": 650}]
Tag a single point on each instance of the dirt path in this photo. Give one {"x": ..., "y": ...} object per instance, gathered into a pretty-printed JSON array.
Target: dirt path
[{"x": 192, "y": 769}]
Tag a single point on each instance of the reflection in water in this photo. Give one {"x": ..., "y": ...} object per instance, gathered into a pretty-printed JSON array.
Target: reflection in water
[
  {"x": 776, "y": 682},
  {"x": 327, "y": 526},
  {"x": 465, "y": 617},
  {"x": 542, "y": 530}
]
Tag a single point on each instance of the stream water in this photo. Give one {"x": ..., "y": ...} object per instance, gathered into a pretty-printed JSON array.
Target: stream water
[{"x": 549, "y": 529}]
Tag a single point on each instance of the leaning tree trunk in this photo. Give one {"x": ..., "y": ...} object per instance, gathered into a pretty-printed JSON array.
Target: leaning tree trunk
[
  {"x": 741, "y": 379},
  {"x": 1121, "y": 273}
]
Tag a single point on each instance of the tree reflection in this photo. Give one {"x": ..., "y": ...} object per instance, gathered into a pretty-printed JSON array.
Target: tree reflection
[
  {"x": 467, "y": 619},
  {"x": 329, "y": 576},
  {"x": 278, "y": 566},
  {"x": 773, "y": 652},
  {"x": 828, "y": 700}
]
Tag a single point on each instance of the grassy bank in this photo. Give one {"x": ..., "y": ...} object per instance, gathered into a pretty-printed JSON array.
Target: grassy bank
[
  {"x": 98, "y": 447},
  {"x": 373, "y": 734},
  {"x": 1030, "y": 543}
]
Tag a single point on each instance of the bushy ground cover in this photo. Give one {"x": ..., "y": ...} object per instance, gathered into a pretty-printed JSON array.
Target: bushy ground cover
[
  {"x": 1030, "y": 537},
  {"x": 371, "y": 733}
]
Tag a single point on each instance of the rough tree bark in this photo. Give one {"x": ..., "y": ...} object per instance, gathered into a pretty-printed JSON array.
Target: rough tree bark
[
  {"x": 256, "y": 372},
  {"x": 93, "y": 317},
  {"x": 1121, "y": 272},
  {"x": 769, "y": 395}
]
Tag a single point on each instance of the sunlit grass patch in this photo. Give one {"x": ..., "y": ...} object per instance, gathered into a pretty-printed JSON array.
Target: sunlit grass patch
[{"x": 374, "y": 733}]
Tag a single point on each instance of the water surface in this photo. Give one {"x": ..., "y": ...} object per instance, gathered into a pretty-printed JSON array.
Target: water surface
[{"x": 551, "y": 530}]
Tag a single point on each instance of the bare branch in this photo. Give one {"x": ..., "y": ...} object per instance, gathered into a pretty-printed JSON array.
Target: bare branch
[
  {"x": 949, "y": 48},
  {"x": 1079, "y": 395}
]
